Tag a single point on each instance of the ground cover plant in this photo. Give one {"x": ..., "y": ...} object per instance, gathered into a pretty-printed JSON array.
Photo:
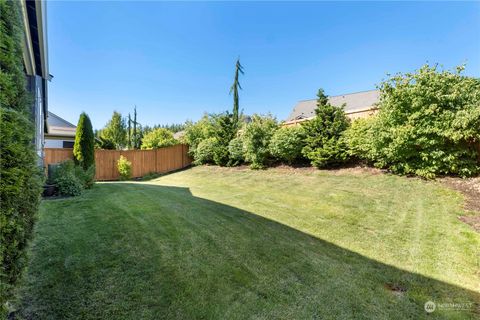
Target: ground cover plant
[{"x": 270, "y": 244}]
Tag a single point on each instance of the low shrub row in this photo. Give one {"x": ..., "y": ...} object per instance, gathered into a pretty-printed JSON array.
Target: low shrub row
[
  {"x": 428, "y": 124},
  {"x": 71, "y": 179}
]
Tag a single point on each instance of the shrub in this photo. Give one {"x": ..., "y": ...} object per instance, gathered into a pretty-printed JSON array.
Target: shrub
[
  {"x": 205, "y": 151},
  {"x": 124, "y": 168},
  {"x": 20, "y": 182},
  {"x": 197, "y": 132},
  {"x": 69, "y": 185},
  {"x": 257, "y": 137},
  {"x": 158, "y": 138},
  {"x": 287, "y": 144},
  {"x": 224, "y": 131},
  {"x": 360, "y": 139},
  {"x": 87, "y": 177},
  {"x": 428, "y": 123},
  {"x": 235, "y": 151},
  {"x": 84, "y": 147},
  {"x": 324, "y": 142},
  {"x": 67, "y": 169}
]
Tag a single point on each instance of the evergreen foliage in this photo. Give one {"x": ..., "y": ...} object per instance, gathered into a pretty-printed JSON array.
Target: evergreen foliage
[
  {"x": 115, "y": 131},
  {"x": 84, "y": 147},
  {"x": 325, "y": 145},
  {"x": 21, "y": 179},
  {"x": 235, "y": 87}
]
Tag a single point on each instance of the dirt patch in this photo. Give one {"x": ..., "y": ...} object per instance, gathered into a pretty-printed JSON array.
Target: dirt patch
[
  {"x": 474, "y": 221},
  {"x": 396, "y": 289},
  {"x": 470, "y": 188}
]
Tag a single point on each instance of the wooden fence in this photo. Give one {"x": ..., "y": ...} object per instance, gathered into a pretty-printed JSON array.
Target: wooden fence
[{"x": 143, "y": 161}]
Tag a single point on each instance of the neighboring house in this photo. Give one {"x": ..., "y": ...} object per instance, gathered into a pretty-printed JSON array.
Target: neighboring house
[
  {"x": 357, "y": 105},
  {"x": 179, "y": 135},
  {"x": 61, "y": 133},
  {"x": 35, "y": 57}
]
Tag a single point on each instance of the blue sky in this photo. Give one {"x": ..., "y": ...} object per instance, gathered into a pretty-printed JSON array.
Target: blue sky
[{"x": 176, "y": 60}]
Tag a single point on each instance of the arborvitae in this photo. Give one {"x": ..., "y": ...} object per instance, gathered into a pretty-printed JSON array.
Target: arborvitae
[
  {"x": 84, "y": 147},
  {"x": 20, "y": 181}
]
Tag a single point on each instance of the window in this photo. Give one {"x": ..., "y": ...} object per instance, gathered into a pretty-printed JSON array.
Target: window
[{"x": 68, "y": 144}]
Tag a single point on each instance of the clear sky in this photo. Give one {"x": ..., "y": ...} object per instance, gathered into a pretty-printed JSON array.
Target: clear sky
[{"x": 176, "y": 60}]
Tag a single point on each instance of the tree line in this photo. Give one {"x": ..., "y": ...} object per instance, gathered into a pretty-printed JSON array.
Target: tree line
[{"x": 127, "y": 133}]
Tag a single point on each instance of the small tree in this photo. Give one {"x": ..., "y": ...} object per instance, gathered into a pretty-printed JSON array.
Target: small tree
[
  {"x": 115, "y": 131},
  {"x": 158, "y": 138},
  {"x": 84, "y": 147},
  {"x": 124, "y": 168},
  {"x": 324, "y": 142}
]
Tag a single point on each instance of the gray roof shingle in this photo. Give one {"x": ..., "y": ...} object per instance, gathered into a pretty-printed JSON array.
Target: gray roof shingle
[{"x": 354, "y": 102}]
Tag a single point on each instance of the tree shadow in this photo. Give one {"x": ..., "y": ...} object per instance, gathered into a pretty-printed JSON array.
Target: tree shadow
[{"x": 164, "y": 253}]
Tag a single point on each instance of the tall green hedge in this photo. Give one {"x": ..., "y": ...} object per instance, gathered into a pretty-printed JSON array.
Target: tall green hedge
[
  {"x": 20, "y": 178},
  {"x": 84, "y": 147}
]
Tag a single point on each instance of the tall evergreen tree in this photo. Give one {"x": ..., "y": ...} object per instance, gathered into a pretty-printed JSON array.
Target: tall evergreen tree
[
  {"x": 84, "y": 147},
  {"x": 136, "y": 141},
  {"x": 115, "y": 131},
  {"x": 129, "y": 132},
  {"x": 20, "y": 182},
  {"x": 234, "y": 88}
]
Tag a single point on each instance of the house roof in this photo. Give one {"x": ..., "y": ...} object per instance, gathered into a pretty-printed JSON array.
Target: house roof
[
  {"x": 354, "y": 102},
  {"x": 59, "y": 127}
]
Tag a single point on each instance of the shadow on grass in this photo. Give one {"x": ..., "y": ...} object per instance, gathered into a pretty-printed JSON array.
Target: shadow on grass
[{"x": 140, "y": 251}]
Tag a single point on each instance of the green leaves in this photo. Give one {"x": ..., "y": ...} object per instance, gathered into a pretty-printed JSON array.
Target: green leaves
[
  {"x": 428, "y": 124},
  {"x": 84, "y": 147}
]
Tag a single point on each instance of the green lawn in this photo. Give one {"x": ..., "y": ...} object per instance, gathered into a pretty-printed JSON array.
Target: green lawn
[{"x": 232, "y": 244}]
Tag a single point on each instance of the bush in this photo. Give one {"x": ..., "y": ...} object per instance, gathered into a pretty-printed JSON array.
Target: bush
[
  {"x": 158, "y": 138},
  {"x": 257, "y": 137},
  {"x": 124, "y": 168},
  {"x": 428, "y": 124},
  {"x": 69, "y": 185},
  {"x": 197, "y": 132},
  {"x": 224, "y": 131},
  {"x": 325, "y": 145},
  {"x": 287, "y": 144},
  {"x": 360, "y": 137},
  {"x": 87, "y": 177},
  {"x": 205, "y": 151},
  {"x": 236, "y": 152},
  {"x": 68, "y": 169},
  {"x": 84, "y": 147},
  {"x": 20, "y": 182}
]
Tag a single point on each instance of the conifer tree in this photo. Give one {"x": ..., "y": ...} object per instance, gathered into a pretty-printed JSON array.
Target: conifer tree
[{"x": 84, "y": 147}]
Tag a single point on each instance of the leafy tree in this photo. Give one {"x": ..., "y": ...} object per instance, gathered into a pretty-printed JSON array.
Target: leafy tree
[
  {"x": 256, "y": 140},
  {"x": 115, "y": 131},
  {"x": 158, "y": 138},
  {"x": 324, "y": 143},
  {"x": 428, "y": 124},
  {"x": 20, "y": 182},
  {"x": 287, "y": 144},
  {"x": 205, "y": 151},
  {"x": 235, "y": 87},
  {"x": 84, "y": 147}
]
